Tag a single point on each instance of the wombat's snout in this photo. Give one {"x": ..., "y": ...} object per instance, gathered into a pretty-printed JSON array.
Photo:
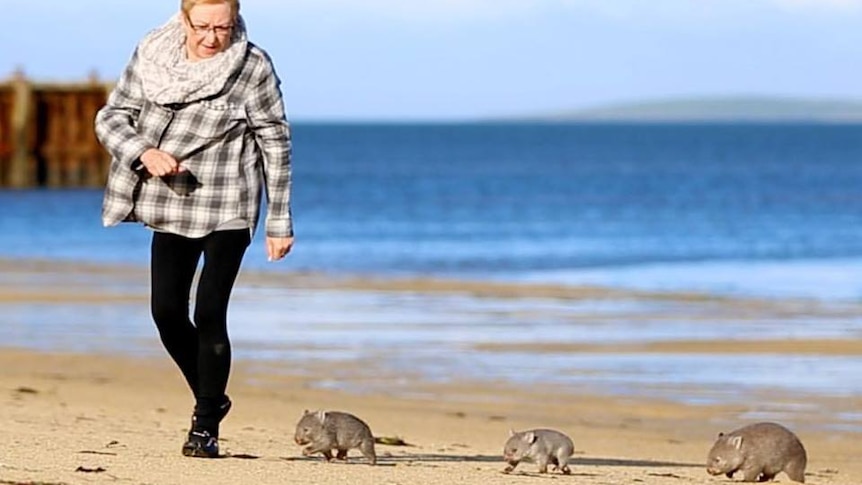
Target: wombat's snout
[
  {"x": 300, "y": 441},
  {"x": 713, "y": 471}
]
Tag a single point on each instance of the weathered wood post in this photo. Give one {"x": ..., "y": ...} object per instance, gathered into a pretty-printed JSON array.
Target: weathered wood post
[
  {"x": 5, "y": 133},
  {"x": 47, "y": 133},
  {"x": 97, "y": 168},
  {"x": 21, "y": 170},
  {"x": 108, "y": 88},
  {"x": 50, "y": 103}
]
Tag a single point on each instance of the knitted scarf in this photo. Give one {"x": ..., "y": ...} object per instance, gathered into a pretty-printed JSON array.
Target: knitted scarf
[{"x": 166, "y": 74}]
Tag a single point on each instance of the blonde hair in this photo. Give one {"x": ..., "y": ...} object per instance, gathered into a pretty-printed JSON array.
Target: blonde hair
[{"x": 187, "y": 5}]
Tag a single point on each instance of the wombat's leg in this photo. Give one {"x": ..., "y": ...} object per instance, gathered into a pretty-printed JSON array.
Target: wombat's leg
[
  {"x": 318, "y": 447},
  {"x": 765, "y": 477},
  {"x": 543, "y": 464},
  {"x": 512, "y": 465},
  {"x": 564, "y": 465},
  {"x": 796, "y": 471},
  {"x": 367, "y": 450},
  {"x": 560, "y": 462},
  {"x": 751, "y": 473},
  {"x": 312, "y": 449},
  {"x": 341, "y": 455}
]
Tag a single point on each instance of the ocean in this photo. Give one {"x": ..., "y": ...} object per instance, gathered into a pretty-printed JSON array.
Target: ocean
[
  {"x": 767, "y": 211},
  {"x": 726, "y": 208}
]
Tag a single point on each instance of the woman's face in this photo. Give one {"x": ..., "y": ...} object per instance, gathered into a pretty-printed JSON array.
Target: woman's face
[{"x": 208, "y": 30}]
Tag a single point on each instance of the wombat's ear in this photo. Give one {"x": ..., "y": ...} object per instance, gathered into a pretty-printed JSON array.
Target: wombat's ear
[
  {"x": 321, "y": 415},
  {"x": 511, "y": 432},
  {"x": 530, "y": 437},
  {"x": 736, "y": 441}
]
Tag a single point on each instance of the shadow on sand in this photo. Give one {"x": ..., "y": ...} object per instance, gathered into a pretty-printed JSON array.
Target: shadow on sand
[{"x": 392, "y": 460}]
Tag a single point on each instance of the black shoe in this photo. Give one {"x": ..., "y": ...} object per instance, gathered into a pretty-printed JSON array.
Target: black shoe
[{"x": 201, "y": 444}]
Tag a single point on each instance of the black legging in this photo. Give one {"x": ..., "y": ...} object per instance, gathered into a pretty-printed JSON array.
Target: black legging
[{"x": 201, "y": 350}]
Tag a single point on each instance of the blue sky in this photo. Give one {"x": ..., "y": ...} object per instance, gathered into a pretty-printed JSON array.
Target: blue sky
[{"x": 462, "y": 59}]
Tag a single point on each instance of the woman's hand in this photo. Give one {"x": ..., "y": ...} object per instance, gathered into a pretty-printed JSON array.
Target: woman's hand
[
  {"x": 160, "y": 163},
  {"x": 278, "y": 247}
]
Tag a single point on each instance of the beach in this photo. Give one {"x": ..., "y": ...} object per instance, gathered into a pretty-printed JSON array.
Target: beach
[
  {"x": 94, "y": 419},
  {"x": 117, "y": 414}
]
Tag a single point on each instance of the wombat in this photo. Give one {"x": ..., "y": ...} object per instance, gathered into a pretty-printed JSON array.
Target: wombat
[
  {"x": 541, "y": 446},
  {"x": 325, "y": 431},
  {"x": 760, "y": 451}
]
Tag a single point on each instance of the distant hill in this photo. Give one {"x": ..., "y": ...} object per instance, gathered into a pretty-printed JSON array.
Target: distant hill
[{"x": 751, "y": 108}]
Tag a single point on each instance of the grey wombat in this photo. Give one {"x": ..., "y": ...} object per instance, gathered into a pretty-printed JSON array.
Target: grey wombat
[
  {"x": 760, "y": 451},
  {"x": 541, "y": 446},
  {"x": 325, "y": 431}
]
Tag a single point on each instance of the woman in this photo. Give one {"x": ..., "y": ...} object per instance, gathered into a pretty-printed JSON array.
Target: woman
[{"x": 197, "y": 131}]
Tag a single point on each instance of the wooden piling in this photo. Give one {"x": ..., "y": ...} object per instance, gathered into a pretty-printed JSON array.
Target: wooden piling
[
  {"x": 21, "y": 169},
  {"x": 5, "y": 134},
  {"x": 47, "y": 137}
]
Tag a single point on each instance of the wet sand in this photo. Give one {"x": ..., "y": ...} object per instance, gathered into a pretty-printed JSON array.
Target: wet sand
[
  {"x": 96, "y": 418},
  {"x": 730, "y": 346}
]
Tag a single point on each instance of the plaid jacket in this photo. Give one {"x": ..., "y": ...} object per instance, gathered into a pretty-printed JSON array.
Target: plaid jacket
[{"x": 235, "y": 146}]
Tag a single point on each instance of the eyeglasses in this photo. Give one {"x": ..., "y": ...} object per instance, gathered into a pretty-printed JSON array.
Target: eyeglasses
[{"x": 218, "y": 30}]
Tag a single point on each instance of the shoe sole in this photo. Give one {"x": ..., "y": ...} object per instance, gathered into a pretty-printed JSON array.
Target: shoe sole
[{"x": 195, "y": 452}]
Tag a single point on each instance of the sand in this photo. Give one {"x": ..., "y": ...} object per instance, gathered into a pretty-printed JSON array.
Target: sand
[
  {"x": 93, "y": 418},
  {"x": 106, "y": 419}
]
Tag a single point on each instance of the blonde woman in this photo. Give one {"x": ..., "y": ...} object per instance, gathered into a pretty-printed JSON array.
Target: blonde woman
[{"x": 197, "y": 132}]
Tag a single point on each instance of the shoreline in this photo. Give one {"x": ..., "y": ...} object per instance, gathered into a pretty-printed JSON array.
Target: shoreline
[
  {"x": 404, "y": 336},
  {"x": 826, "y": 280}
]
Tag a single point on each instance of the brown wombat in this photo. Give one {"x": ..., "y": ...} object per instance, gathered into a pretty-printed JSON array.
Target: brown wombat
[
  {"x": 760, "y": 451},
  {"x": 541, "y": 446},
  {"x": 325, "y": 431}
]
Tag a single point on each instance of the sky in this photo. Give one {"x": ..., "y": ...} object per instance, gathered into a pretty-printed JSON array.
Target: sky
[{"x": 469, "y": 59}]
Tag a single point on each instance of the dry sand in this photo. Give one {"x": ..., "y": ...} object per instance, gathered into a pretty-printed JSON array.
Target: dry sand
[{"x": 82, "y": 418}]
